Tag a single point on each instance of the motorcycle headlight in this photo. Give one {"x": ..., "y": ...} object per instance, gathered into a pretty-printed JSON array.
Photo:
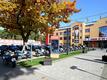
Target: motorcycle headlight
[
  {"x": 3, "y": 57},
  {"x": 13, "y": 59}
]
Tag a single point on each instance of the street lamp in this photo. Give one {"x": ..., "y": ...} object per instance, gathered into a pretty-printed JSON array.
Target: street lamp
[{"x": 67, "y": 40}]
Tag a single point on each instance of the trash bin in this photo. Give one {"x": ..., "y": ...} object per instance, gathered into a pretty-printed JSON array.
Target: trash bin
[
  {"x": 54, "y": 55},
  {"x": 104, "y": 58},
  {"x": 83, "y": 50}
]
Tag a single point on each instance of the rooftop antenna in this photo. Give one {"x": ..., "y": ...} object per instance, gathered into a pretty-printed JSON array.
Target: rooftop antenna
[
  {"x": 100, "y": 17},
  {"x": 87, "y": 20}
]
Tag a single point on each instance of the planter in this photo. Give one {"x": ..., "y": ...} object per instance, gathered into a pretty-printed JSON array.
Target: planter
[
  {"x": 104, "y": 58},
  {"x": 54, "y": 55},
  {"x": 47, "y": 61}
]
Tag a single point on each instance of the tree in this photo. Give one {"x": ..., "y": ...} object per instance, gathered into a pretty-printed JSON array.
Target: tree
[{"x": 26, "y": 16}]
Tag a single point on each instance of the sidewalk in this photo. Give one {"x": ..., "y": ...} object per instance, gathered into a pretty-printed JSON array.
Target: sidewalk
[
  {"x": 89, "y": 67},
  {"x": 81, "y": 67}
]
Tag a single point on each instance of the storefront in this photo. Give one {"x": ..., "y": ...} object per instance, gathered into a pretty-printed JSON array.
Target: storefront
[{"x": 100, "y": 42}]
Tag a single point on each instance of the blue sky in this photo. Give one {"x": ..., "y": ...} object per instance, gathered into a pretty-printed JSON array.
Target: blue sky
[{"x": 92, "y": 9}]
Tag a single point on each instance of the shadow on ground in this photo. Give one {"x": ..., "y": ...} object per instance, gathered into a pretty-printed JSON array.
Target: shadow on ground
[
  {"x": 6, "y": 72},
  {"x": 104, "y": 72},
  {"x": 95, "y": 60},
  {"x": 77, "y": 68}
]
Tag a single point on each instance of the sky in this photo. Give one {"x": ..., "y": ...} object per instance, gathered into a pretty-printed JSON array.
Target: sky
[{"x": 91, "y": 10}]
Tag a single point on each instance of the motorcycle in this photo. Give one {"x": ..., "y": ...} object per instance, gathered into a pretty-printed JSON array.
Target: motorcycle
[{"x": 9, "y": 59}]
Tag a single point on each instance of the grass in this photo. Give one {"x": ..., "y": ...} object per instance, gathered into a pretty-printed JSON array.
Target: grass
[
  {"x": 70, "y": 54},
  {"x": 34, "y": 62},
  {"x": 30, "y": 63}
]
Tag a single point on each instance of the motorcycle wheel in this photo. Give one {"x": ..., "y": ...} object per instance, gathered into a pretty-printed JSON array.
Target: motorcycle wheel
[{"x": 13, "y": 64}]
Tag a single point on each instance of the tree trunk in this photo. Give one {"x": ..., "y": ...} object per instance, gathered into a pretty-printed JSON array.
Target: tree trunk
[{"x": 25, "y": 39}]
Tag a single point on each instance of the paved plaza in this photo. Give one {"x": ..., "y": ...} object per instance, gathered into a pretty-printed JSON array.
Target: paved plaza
[{"x": 86, "y": 66}]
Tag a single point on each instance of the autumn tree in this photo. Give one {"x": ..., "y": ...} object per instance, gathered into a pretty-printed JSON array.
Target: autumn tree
[{"x": 26, "y": 16}]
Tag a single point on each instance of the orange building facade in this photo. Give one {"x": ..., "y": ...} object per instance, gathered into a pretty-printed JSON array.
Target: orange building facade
[
  {"x": 92, "y": 34},
  {"x": 96, "y": 34}
]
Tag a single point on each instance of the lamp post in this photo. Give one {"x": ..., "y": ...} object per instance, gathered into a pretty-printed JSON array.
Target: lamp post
[
  {"x": 67, "y": 40},
  {"x": 88, "y": 43},
  {"x": 31, "y": 51}
]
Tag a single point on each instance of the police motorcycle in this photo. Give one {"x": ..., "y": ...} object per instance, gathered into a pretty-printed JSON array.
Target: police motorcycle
[{"x": 9, "y": 58}]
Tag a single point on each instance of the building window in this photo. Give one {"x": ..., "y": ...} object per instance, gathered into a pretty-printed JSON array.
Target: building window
[
  {"x": 65, "y": 38},
  {"x": 60, "y": 33},
  {"x": 88, "y": 36},
  {"x": 57, "y": 34},
  {"x": 60, "y": 38},
  {"x": 87, "y": 30},
  {"x": 81, "y": 31},
  {"x": 72, "y": 40},
  {"x": 103, "y": 31},
  {"x": 69, "y": 38},
  {"x": 69, "y": 32},
  {"x": 73, "y": 34},
  {"x": 76, "y": 41},
  {"x": 75, "y": 27},
  {"x": 65, "y": 32},
  {"x": 80, "y": 37},
  {"x": 49, "y": 36},
  {"x": 49, "y": 40}
]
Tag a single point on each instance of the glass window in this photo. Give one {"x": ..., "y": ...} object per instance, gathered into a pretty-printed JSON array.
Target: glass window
[
  {"x": 49, "y": 40},
  {"x": 81, "y": 31},
  {"x": 106, "y": 22},
  {"x": 103, "y": 31},
  {"x": 72, "y": 40},
  {"x": 60, "y": 33},
  {"x": 87, "y": 36},
  {"x": 80, "y": 37},
  {"x": 60, "y": 38},
  {"x": 69, "y": 38},
  {"x": 65, "y": 38},
  {"x": 56, "y": 33},
  {"x": 87, "y": 30},
  {"x": 65, "y": 32},
  {"x": 69, "y": 33},
  {"x": 73, "y": 34}
]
